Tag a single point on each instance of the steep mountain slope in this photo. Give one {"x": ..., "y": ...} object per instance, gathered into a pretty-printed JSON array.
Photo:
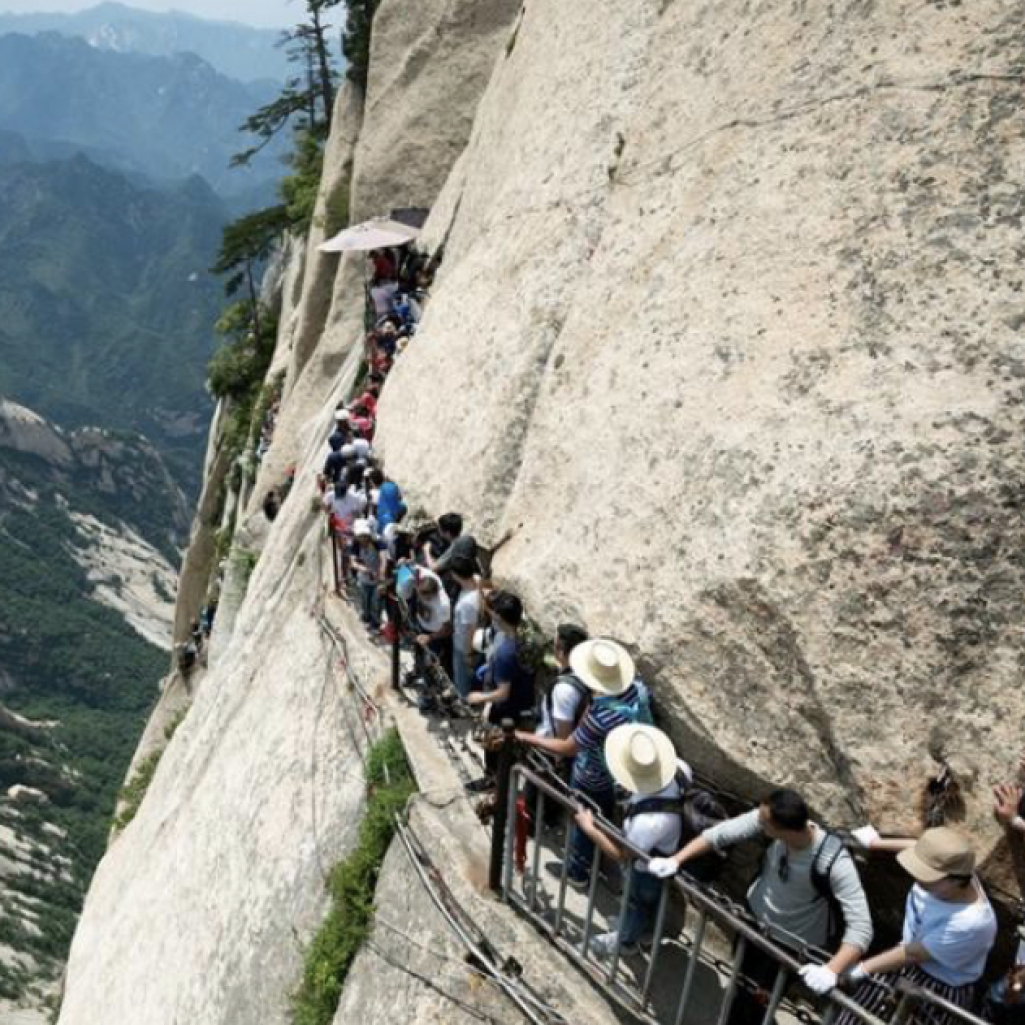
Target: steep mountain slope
[
  {"x": 238, "y": 51},
  {"x": 88, "y": 526},
  {"x": 106, "y": 306},
  {"x": 167, "y": 117}
]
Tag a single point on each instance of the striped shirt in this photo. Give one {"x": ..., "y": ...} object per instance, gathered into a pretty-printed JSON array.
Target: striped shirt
[{"x": 590, "y": 771}]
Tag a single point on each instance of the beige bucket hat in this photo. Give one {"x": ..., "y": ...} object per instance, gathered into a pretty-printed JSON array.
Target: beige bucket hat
[
  {"x": 938, "y": 853},
  {"x": 640, "y": 758},
  {"x": 604, "y": 666}
]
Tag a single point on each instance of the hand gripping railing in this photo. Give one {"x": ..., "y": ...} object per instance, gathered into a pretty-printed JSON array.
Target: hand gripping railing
[{"x": 571, "y": 926}]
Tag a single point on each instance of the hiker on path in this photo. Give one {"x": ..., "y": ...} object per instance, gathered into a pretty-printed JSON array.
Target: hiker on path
[
  {"x": 460, "y": 545},
  {"x": 465, "y": 620},
  {"x": 505, "y": 682},
  {"x": 642, "y": 760},
  {"x": 608, "y": 671},
  {"x": 368, "y": 561},
  {"x": 804, "y": 870},
  {"x": 949, "y": 929},
  {"x": 563, "y": 706}
]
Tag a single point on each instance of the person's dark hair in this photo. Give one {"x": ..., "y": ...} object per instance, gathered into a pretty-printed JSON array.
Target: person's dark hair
[
  {"x": 376, "y": 477},
  {"x": 429, "y": 585},
  {"x": 568, "y": 636},
  {"x": 461, "y": 567},
  {"x": 507, "y": 607},
  {"x": 355, "y": 476},
  {"x": 341, "y": 486},
  {"x": 451, "y": 523},
  {"x": 787, "y": 809}
]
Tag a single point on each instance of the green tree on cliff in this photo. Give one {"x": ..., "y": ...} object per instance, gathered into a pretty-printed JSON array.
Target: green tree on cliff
[
  {"x": 307, "y": 100},
  {"x": 356, "y": 39}
]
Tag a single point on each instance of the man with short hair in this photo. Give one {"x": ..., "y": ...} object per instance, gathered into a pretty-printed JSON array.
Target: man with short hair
[
  {"x": 565, "y": 703},
  {"x": 508, "y": 685},
  {"x": 787, "y": 896},
  {"x": 460, "y": 545}
]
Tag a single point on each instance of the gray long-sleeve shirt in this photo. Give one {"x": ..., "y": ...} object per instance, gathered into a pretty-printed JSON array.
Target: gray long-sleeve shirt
[{"x": 794, "y": 905}]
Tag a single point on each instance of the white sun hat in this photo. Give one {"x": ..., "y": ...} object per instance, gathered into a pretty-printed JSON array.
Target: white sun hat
[
  {"x": 604, "y": 666},
  {"x": 640, "y": 758}
]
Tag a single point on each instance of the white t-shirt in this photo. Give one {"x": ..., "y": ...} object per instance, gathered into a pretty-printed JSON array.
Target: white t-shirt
[
  {"x": 654, "y": 829},
  {"x": 432, "y": 614},
  {"x": 465, "y": 619},
  {"x": 565, "y": 702},
  {"x": 347, "y": 507},
  {"x": 957, "y": 936},
  {"x": 361, "y": 448}
]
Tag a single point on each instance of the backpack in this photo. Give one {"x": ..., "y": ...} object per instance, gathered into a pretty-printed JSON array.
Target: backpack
[
  {"x": 698, "y": 810},
  {"x": 821, "y": 872},
  {"x": 579, "y": 686}
]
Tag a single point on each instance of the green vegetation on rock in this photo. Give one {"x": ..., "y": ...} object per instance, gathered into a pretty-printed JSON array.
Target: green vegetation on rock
[{"x": 352, "y": 884}]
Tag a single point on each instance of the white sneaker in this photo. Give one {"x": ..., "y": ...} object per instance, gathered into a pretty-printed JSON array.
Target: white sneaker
[{"x": 604, "y": 946}]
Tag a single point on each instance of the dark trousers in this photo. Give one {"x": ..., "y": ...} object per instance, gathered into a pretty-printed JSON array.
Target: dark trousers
[
  {"x": 749, "y": 1008},
  {"x": 581, "y": 846}
]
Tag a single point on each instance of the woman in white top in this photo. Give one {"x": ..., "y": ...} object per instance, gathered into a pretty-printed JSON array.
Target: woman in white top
[{"x": 949, "y": 929}]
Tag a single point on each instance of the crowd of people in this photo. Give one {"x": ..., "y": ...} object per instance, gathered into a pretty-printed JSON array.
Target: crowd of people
[{"x": 594, "y": 720}]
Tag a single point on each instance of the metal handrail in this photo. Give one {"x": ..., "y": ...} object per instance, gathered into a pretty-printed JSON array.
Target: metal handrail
[
  {"x": 709, "y": 906},
  {"x": 911, "y": 993}
]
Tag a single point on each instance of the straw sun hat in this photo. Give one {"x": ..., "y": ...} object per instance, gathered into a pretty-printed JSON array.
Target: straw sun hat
[
  {"x": 603, "y": 665},
  {"x": 640, "y": 758}
]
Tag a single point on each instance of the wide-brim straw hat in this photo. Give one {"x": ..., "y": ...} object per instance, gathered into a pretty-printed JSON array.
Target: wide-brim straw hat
[
  {"x": 603, "y": 665},
  {"x": 640, "y": 758}
]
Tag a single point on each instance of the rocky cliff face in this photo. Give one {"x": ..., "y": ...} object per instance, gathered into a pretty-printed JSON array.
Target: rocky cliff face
[
  {"x": 726, "y": 342},
  {"x": 729, "y": 336}
]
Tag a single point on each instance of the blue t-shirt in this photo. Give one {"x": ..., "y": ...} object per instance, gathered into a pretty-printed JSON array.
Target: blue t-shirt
[
  {"x": 590, "y": 771},
  {"x": 506, "y": 667}
]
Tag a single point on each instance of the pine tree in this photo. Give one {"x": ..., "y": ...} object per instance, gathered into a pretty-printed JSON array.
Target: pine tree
[{"x": 307, "y": 100}]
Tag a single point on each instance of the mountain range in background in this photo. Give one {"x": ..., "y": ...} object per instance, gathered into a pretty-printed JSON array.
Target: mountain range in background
[
  {"x": 238, "y": 51},
  {"x": 106, "y": 304},
  {"x": 164, "y": 117}
]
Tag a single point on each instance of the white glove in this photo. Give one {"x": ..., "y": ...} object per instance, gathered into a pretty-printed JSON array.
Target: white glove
[
  {"x": 865, "y": 835},
  {"x": 664, "y": 868},
  {"x": 818, "y": 978}
]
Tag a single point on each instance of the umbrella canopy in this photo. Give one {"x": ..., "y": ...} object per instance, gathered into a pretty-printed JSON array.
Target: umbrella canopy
[{"x": 370, "y": 235}]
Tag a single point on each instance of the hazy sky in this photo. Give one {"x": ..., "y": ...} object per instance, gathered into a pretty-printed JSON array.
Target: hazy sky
[{"x": 268, "y": 13}]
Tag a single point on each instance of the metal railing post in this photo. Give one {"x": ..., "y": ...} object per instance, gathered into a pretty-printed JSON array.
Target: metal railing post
[
  {"x": 392, "y": 605},
  {"x": 334, "y": 560},
  {"x": 501, "y": 823}
]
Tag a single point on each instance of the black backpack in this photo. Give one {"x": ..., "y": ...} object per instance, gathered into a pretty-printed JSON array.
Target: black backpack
[
  {"x": 698, "y": 810},
  {"x": 579, "y": 686},
  {"x": 821, "y": 872}
]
